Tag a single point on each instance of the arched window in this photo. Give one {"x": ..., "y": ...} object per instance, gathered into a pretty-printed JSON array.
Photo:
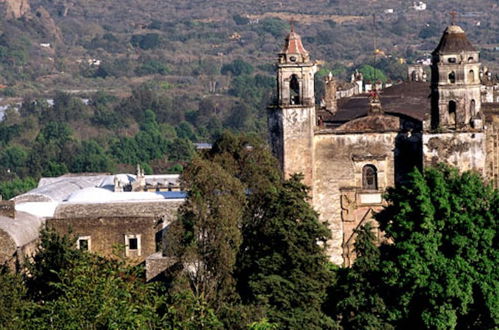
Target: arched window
[
  {"x": 414, "y": 76},
  {"x": 473, "y": 109},
  {"x": 369, "y": 177},
  {"x": 294, "y": 90},
  {"x": 452, "y": 113},
  {"x": 471, "y": 76},
  {"x": 470, "y": 59},
  {"x": 452, "y": 77}
]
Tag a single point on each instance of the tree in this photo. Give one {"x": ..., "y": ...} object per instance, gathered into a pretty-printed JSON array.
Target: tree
[
  {"x": 100, "y": 294},
  {"x": 240, "y": 117},
  {"x": 13, "y": 158},
  {"x": 247, "y": 158},
  {"x": 66, "y": 108},
  {"x": 52, "y": 150},
  {"x": 442, "y": 266},
  {"x": 54, "y": 254},
  {"x": 152, "y": 67},
  {"x": 282, "y": 263},
  {"x": 91, "y": 158},
  {"x": 180, "y": 150},
  {"x": 372, "y": 74},
  {"x": 69, "y": 288},
  {"x": 185, "y": 131},
  {"x": 274, "y": 26},
  {"x": 206, "y": 237},
  {"x": 355, "y": 298},
  {"x": 12, "y": 188},
  {"x": 240, "y": 20},
  {"x": 266, "y": 238},
  {"x": 237, "y": 68},
  {"x": 12, "y": 299},
  {"x": 146, "y": 41}
]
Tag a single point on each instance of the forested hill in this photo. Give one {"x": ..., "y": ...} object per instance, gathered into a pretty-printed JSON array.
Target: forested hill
[
  {"x": 83, "y": 73},
  {"x": 121, "y": 43}
]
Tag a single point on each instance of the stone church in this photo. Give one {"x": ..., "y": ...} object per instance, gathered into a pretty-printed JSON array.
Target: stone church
[{"x": 350, "y": 149}]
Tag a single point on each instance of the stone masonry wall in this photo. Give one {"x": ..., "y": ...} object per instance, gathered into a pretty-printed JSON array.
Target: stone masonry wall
[
  {"x": 298, "y": 148},
  {"x": 464, "y": 150},
  {"x": 7, "y": 250},
  {"x": 8, "y": 209},
  {"x": 108, "y": 233},
  {"x": 339, "y": 159},
  {"x": 492, "y": 152}
]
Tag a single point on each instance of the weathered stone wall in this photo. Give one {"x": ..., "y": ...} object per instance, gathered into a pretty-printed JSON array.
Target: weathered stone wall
[
  {"x": 298, "y": 150},
  {"x": 464, "y": 150},
  {"x": 7, "y": 250},
  {"x": 156, "y": 264},
  {"x": 166, "y": 208},
  {"x": 339, "y": 159},
  {"x": 107, "y": 224},
  {"x": 464, "y": 96},
  {"x": 492, "y": 147},
  {"x": 8, "y": 209},
  {"x": 291, "y": 138},
  {"x": 107, "y": 234}
]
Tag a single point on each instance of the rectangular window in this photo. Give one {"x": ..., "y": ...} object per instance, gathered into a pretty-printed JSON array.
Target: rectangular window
[
  {"x": 83, "y": 243},
  {"x": 133, "y": 245}
]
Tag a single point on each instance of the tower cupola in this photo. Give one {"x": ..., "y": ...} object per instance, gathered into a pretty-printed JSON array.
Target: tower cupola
[
  {"x": 455, "y": 82},
  {"x": 293, "y": 50},
  {"x": 453, "y": 41}
]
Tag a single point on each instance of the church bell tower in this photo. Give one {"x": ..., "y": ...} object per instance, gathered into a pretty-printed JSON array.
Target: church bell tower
[
  {"x": 455, "y": 83},
  {"x": 292, "y": 118}
]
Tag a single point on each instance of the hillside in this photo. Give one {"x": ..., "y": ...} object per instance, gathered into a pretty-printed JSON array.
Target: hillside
[
  {"x": 90, "y": 70},
  {"x": 132, "y": 39}
]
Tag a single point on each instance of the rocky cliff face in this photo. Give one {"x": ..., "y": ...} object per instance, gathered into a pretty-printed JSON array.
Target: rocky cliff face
[
  {"x": 47, "y": 25},
  {"x": 14, "y": 9}
]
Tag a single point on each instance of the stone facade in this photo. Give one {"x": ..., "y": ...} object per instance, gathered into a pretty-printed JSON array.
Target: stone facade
[
  {"x": 352, "y": 149},
  {"x": 107, "y": 228},
  {"x": 120, "y": 215},
  {"x": 18, "y": 238},
  {"x": 8, "y": 209}
]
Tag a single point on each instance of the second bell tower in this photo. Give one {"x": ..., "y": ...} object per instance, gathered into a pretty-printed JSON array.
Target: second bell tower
[{"x": 292, "y": 119}]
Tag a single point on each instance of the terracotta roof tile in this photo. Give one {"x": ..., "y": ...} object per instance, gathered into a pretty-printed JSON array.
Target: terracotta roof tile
[{"x": 293, "y": 44}]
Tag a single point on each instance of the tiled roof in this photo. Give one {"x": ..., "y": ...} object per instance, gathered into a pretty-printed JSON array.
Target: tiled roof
[
  {"x": 453, "y": 40},
  {"x": 293, "y": 44},
  {"x": 410, "y": 98}
]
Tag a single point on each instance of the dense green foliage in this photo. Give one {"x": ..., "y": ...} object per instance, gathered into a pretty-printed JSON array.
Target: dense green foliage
[
  {"x": 224, "y": 276},
  {"x": 372, "y": 74},
  {"x": 48, "y": 140},
  {"x": 68, "y": 288},
  {"x": 254, "y": 237},
  {"x": 439, "y": 270},
  {"x": 287, "y": 274},
  {"x": 12, "y": 188},
  {"x": 250, "y": 253}
]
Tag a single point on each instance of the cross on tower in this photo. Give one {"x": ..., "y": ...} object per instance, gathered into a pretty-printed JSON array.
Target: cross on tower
[
  {"x": 292, "y": 24},
  {"x": 453, "y": 15}
]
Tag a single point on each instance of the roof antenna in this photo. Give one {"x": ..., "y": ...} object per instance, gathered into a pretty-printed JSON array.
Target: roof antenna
[{"x": 453, "y": 15}]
